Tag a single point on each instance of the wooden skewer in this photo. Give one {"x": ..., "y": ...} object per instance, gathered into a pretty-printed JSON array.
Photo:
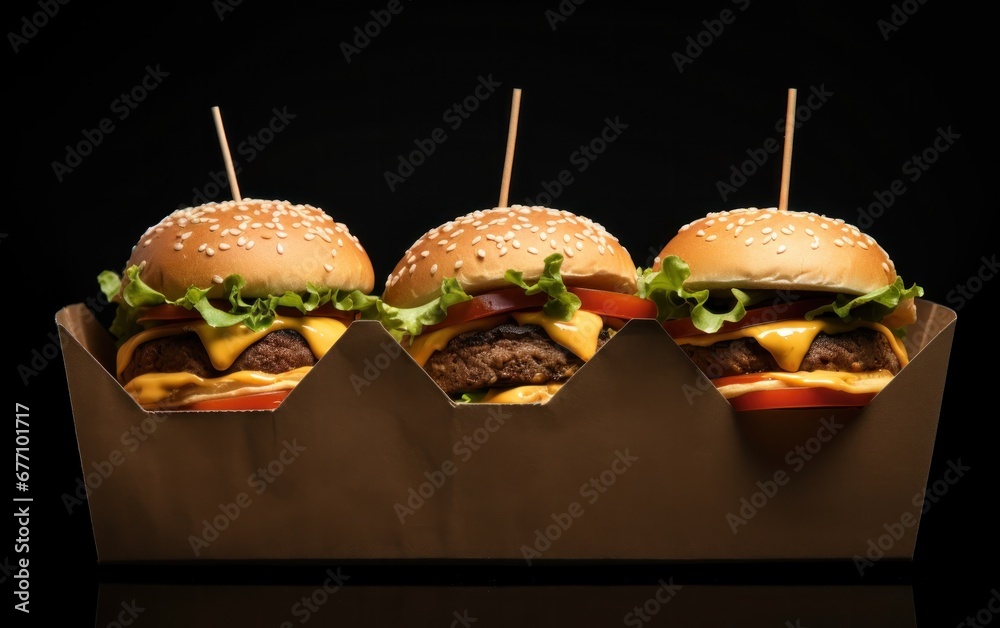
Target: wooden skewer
[
  {"x": 226, "y": 156},
  {"x": 509, "y": 159},
  {"x": 786, "y": 166}
]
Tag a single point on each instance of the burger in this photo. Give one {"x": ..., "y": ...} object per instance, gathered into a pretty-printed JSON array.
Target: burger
[
  {"x": 504, "y": 305},
  {"x": 227, "y": 306},
  {"x": 783, "y": 308}
]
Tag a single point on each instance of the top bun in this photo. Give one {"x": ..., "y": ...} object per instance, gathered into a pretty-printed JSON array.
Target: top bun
[
  {"x": 478, "y": 248},
  {"x": 769, "y": 249},
  {"x": 276, "y": 246}
]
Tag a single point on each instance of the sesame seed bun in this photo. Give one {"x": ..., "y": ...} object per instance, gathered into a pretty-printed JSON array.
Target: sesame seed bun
[
  {"x": 276, "y": 246},
  {"x": 478, "y": 248},
  {"x": 779, "y": 250}
]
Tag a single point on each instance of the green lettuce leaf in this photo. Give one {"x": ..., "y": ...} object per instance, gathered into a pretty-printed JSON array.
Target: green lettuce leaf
[
  {"x": 401, "y": 322},
  {"x": 562, "y": 303},
  {"x": 665, "y": 288},
  {"x": 257, "y": 314},
  {"x": 873, "y": 306}
]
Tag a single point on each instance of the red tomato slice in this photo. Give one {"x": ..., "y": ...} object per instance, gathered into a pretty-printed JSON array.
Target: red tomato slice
[
  {"x": 806, "y": 397},
  {"x": 260, "y": 401},
  {"x": 611, "y": 304},
  {"x": 683, "y": 327}
]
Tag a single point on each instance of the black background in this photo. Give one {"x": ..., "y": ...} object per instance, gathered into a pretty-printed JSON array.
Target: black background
[{"x": 889, "y": 93}]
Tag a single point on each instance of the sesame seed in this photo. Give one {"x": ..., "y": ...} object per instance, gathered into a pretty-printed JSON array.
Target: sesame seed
[
  {"x": 711, "y": 238},
  {"x": 214, "y": 227},
  {"x": 825, "y": 226},
  {"x": 309, "y": 236},
  {"x": 458, "y": 264},
  {"x": 476, "y": 240},
  {"x": 885, "y": 267},
  {"x": 256, "y": 225},
  {"x": 281, "y": 234},
  {"x": 413, "y": 268},
  {"x": 815, "y": 244},
  {"x": 730, "y": 226},
  {"x": 774, "y": 236},
  {"x": 223, "y": 246},
  {"x": 185, "y": 235},
  {"x": 250, "y": 245},
  {"x": 709, "y": 223},
  {"x": 551, "y": 229},
  {"x": 533, "y": 250},
  {"x": 579, "y": 245},
  {"x": 810, "y": 232},
  {"x": 217, "y": 279},
  {"x": 782, "y": 249},
  {"x": 569, "y": 251},
  {"x": 451, "y": 247},
  {"x": 481, "y": 254},
  {"x": 737, "y": 232},
  {"x": 766, "y": 230},
  {"x": 838, "y": 242},
  {"x": 202, "y": 247},
  {"x": 210, "y": 252},
  {"x": 340, "y": 242},
  {"x": 178, "y": 246},
  {"x": 600, "y": 249},
  {"x": 566, "y": 238},
  {"x": 503, "y": 251},
  {"x": 424, "y": 253},
  {"x": 333, "y": 252},
  {"x": 553, "y": 244},
  {"x": 328, "y": 267},
  {"x": 515, "y": 244},
  {"x": 412, "y": 259},
  {"x": 434, "y": 269},
  {"x": 862, "y": 245},
  {"x": 442, "y": 242},
  {"x": 748, "y": 241},
  {"x": 700, "y": 233},
  {"x": 848, "y": 240}
]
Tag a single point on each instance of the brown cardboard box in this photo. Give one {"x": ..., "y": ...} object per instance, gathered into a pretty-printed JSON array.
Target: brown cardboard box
[{"x": 635, "y": 458}]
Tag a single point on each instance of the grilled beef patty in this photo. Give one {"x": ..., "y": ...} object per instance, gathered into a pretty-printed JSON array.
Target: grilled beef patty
[
  {"x": 505, "y": 356},
  {"x": 277, "y": 352},
  {"x": 856, "y": 351}
]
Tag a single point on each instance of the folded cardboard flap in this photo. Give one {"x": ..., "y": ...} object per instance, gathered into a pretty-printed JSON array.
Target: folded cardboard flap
[{"x": 635, "y": 458}]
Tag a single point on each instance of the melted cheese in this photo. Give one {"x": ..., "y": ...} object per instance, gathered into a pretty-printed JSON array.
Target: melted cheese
[
  {"x": 424, "y": 345},
  {"x": 522, "y": 394},
  {"x": 225, "y": 344},
  {"x": 856, "y": 383},
  {"x": 579, "y": 334},
  {"x": 162, "y": 390},
  {"x": 788, "y": 341}
]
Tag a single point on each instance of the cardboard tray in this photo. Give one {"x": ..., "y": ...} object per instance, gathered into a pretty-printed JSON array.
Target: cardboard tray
[{"x": 636, "y": 458}]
